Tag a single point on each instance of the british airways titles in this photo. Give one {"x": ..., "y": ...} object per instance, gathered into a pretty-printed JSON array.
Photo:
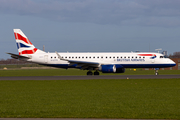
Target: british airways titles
[{"x": 133, "y": 60}]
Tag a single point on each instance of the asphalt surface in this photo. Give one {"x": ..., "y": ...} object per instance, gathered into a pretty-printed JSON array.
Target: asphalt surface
[
  {"x": 68, "y": 119},
  {"x": 91, "y": 77}
]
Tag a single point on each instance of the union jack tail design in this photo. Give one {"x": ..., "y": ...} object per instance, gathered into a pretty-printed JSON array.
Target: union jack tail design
[{"x": 23, "y": 44}]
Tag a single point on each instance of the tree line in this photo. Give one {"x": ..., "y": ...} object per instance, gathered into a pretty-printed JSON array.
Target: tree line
[
  {"x": 12, "y": 61},
  {"x": 174, "y": 55}
]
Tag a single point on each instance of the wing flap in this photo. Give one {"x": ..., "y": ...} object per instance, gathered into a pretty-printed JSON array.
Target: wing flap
[
  {"x": 80, "y": 64},
  {"x": 84, "y": 64}
]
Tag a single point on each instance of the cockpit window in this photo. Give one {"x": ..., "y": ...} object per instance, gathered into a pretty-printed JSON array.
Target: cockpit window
[{"x": 161, "y": 56}]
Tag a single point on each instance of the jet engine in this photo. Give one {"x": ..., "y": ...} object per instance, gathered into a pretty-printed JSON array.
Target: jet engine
[{"x": 112, "y": 69}]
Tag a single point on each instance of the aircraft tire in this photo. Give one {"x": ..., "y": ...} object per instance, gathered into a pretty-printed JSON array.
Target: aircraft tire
[
  {"x": 89, "y": 73},
  {"x": 96, "y": 73}
]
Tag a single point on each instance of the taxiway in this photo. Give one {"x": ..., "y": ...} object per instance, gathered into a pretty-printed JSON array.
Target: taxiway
[{"x": 91, "y": 77}]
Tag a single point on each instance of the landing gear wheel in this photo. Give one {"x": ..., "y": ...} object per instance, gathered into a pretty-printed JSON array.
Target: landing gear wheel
[
  {"x": 96, "y": 73},
  {"x": 156, "y": 73},
  {"x": 89, "y": 73}
]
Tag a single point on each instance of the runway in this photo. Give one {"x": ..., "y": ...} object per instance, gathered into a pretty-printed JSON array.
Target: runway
[
  {"x": 91, "y": 77},
  {"x": 69, "y": 119}
]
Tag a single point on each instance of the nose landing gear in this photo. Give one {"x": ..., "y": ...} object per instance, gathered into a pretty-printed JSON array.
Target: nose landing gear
[{"x": 156, "y": 71}]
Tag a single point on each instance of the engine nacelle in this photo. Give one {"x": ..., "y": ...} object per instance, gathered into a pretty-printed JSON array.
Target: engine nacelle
[
  {"x": 108, "y": 68},
  {"x": 120, "y": 69},
  {"x": 112, "y": 69}
]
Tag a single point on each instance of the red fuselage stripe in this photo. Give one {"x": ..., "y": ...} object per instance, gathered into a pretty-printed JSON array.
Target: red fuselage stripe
[{"x": 146, "y": 54}]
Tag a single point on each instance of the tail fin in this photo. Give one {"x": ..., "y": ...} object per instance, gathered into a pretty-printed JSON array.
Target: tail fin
[{"x": 23, "y": 44}]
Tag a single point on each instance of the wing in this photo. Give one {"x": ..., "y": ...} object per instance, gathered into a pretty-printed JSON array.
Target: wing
[
  {"x": 15, "y": 56},
  {"x": 80, "y": 64}
]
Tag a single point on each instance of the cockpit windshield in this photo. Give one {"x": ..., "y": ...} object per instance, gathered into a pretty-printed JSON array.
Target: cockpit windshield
[{"x": 163, "y": 57}]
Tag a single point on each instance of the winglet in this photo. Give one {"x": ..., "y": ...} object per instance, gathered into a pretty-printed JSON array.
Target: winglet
[{"x": 61, "y": 57}]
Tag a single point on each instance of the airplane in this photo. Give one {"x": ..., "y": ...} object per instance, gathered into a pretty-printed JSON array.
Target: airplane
[{"x": 105, "y": 62}]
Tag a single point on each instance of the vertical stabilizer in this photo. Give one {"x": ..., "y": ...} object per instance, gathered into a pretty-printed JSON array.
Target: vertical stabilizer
[{"x": 23, "y": 43}]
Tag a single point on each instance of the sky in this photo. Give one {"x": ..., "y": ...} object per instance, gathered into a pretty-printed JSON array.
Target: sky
[{"x": 91, "y": 25}]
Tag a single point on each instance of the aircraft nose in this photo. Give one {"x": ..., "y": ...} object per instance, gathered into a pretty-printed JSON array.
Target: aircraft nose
[{"x": 172, "y": 63}]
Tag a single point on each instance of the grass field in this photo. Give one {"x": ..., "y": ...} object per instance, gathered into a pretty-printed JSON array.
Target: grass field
[
  {"x": 150, "y": 99},
  {"x": 63, "y": 72},
  {"x": 12, "y": 66}
]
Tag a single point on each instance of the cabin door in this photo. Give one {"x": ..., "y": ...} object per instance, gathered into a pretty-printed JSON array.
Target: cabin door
[{"x": 46, "y": 58}]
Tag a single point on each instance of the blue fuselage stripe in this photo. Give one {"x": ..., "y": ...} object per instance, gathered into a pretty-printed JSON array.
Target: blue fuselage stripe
[{"x": 124, "y": 65}]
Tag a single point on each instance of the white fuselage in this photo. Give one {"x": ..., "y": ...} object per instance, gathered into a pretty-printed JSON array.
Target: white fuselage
[{"x": 127, "y": 60}]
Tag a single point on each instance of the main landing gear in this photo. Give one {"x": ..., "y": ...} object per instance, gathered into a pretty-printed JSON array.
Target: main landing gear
[
  {"x": 96, "y": 73},
  {"x": 156, "y": 71},
  {"x": 91, "y": 73}
]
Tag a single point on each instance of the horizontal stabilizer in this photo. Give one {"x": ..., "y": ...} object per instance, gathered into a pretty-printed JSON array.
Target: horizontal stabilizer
[{"x": 15, "y": 56}]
